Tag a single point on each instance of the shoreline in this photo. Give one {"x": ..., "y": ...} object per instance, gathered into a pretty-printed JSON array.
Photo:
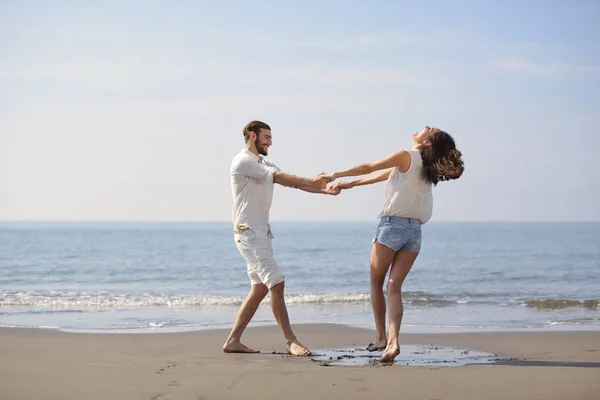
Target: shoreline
[
  {"x": 348, "y": 336},
  {"x": 41, "y": 363},
  {"x": 406, "y": 330}
]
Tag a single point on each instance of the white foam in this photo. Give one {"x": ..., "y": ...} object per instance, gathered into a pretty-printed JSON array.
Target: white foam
[{"x": 112, "y": 300}]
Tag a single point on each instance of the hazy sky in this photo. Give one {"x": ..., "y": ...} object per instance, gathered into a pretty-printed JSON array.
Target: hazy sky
[{"x": 133, "y": 110}]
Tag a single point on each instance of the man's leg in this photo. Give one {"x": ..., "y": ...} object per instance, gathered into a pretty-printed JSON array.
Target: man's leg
[
  {"x": 281, "y": 315},
  {"x": 263, "y": 268},
  {"x": 247, "y": 311}
]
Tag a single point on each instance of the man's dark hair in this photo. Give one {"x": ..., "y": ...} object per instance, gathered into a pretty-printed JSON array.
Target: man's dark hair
[{"x": 254, "y": 126}]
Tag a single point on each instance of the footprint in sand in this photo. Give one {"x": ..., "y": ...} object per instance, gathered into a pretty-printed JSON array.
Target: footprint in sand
[
  {"x": 175, "y": 383},
  {"x": 166, "y": 370},
  {"x": 356, "y": 379}
]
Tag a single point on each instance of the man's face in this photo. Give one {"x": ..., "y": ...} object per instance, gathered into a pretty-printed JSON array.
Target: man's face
[{"x": 263, "y": 142}]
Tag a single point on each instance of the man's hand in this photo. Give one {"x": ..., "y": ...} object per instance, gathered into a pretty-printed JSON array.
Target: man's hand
[
  {"x": 320, "y": 181},
  {"x": 329, "y": 177}
]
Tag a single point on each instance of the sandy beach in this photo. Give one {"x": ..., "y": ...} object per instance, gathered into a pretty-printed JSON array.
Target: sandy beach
[{"x": 45, "y": 364}]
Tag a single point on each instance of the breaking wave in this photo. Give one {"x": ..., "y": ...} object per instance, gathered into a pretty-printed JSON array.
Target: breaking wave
[
  {"x": 108, "y": 299},
  {"x": 115, "y": 300}
]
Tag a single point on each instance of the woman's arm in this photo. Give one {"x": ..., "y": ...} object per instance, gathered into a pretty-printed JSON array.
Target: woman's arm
[
  {"x": 367, "y": 180},
  {"x": 400, "y": 159}
]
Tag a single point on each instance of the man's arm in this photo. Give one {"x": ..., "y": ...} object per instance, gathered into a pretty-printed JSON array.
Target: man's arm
[
  {"x": 332, "y": 190},
  {"x": 289, "y": 180}
]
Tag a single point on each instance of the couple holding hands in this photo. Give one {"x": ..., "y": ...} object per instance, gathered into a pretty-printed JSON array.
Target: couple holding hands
[{"x": 410, "y": 175}]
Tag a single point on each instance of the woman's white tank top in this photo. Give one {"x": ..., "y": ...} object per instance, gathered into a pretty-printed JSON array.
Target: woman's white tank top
[{"x": 408, "y": 194}]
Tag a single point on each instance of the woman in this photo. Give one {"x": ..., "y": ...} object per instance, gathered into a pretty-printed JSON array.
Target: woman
[{"x": 409, "y": 203}]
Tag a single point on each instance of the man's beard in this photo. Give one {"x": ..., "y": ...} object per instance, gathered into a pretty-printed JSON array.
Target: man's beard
[{"x": 261, "y": 150}]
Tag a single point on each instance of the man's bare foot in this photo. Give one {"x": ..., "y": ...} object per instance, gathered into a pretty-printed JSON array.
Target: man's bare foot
[
  {"x": 238, "y": 347},
  {"x": 295, "y": 348},
  {"x": 378, "y": 345},
  {"x": 390, "y": 353}
]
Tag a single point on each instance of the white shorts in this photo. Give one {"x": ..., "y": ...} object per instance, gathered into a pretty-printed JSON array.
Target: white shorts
[{"x": 257, "y": 251}]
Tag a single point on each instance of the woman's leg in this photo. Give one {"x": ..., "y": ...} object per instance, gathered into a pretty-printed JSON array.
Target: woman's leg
[
  {"x": 381, "y": 259},
  {"x": 403, "y": 262}
]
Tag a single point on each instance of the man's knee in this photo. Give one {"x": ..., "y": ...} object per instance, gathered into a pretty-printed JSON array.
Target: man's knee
[
  {"x": 259, "y": 290},
  {"x": 278, "y": 288}
]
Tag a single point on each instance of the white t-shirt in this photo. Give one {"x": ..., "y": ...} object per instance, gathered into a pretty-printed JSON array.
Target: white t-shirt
[
  {"x": 252, "y": 189},
  {"x": 408, "y": 194}
]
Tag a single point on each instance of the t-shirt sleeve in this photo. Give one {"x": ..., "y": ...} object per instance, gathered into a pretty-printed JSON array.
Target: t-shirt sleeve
[
  {"x": 255, "y": 170},
  {"x": 273, "y": 166}
]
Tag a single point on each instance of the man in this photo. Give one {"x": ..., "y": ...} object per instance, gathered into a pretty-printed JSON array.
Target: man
[{"x": 252, "y": 181}]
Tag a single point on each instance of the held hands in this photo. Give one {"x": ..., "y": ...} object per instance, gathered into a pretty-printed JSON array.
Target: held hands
[
  {"x": 323, "y": 178},
  {"x": 343, "y": 185},
  {"x": 320, "y": 181},
  {"x": 329, "y": 177}
]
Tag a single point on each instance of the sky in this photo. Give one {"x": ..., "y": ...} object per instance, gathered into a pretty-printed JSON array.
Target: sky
[{"x": 133, "y": 110}]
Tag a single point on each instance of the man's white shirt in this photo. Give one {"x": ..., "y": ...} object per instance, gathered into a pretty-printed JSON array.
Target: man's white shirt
[{"x": 252, "y": 189}]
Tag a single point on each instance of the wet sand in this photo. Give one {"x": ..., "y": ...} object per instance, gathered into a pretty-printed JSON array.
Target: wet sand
[{"x": 45, "y": 364}]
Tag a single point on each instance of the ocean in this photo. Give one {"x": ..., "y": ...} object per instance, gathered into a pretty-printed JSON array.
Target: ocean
[{"x": 164, "y": 277}]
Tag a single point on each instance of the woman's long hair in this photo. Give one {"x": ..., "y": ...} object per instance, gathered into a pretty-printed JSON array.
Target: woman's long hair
[{"x": 441, "y": 160}]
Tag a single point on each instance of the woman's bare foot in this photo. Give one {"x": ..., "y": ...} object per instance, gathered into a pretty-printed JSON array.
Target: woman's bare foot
[
  {"x": 378, "y": 345},
  {"x": 390, "y": 353},
  {"x": 295, "y": 348},
  {"x": 237, "y": 347}
]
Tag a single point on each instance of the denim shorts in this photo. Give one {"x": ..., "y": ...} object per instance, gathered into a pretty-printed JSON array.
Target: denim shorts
[{"x": 399, "y": 233}]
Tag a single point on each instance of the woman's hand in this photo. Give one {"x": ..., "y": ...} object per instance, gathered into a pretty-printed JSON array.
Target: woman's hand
[
  {"x": 343, "y": 185},
  {"x": 332, "y": 190}
]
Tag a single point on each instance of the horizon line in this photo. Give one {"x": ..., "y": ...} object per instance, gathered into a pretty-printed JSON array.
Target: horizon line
[{"x": 285, "y": 221}]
